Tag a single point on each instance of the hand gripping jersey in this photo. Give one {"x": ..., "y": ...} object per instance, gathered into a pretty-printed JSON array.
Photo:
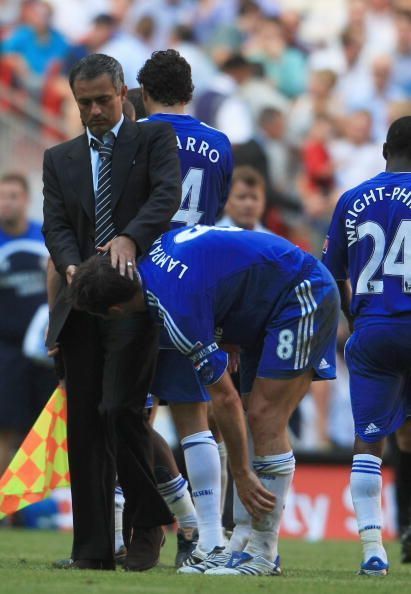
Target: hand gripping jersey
[
  {"x": 206, "y": 167},
  {"x": 201, "y": 278},
  {"x": 369, "y": 241}
]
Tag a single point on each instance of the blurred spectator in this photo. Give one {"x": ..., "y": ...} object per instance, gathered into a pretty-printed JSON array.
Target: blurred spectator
[
  {"x": 380, "y": 29},
  {"x": 203, "y": 69},
  {"x": 130, "y": 50},
  {"x": 320, "y": 99},
  {"x": 25, "y": 383},
  {"x": 166, "y": 14},
  {"x": 355, "y": 156},
  {"x": 246, "y": 202},
  {"x": 73, "y": 18},
  {"x": 258, "y": 93},
  {"x": 317, "y": 179},
  {"x": 380, "y": 94},
  {"x": 285, "y": 66},
  {"x": 220, "y": 105},
  {"x": 282, "y": 192},
  {"x": 402, "y": 55},
  {"x": 34, "y": 47}
]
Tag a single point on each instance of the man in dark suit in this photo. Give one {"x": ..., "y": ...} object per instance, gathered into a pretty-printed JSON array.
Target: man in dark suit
[{"x": 117, "y": 185}]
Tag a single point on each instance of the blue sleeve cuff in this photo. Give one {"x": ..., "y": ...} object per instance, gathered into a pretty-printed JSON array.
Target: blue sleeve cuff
[{"x": 210, "y": 362}]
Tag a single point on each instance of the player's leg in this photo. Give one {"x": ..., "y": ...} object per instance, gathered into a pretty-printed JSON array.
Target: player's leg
[
  {"x": 203, "y": 470},
  {"x": 222, "y": 452},
  {"x": 272, "y": 402},
  {"x": 300, "y": 342},
  {"x": 404, "y": 486},
  {"x": 376, "y": 389},
  {"x": 174, "y": 489}
]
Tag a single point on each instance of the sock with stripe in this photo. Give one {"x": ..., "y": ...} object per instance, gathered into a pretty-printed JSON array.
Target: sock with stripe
[
  {"x": 204, "y": 473},
  {"x": 222, "y": 452},
  {"x": 366, "y": 487},
  {"x": 175, "y": 493},
  {"x": 276, "y": 474},
  {"x": 118, "y": 517}
]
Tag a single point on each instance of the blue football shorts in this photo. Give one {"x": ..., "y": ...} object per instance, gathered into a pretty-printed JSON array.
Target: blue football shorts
[
  {"x": 176, "y": 380},
  {"x": 378, "y": 357},
  {"x": 300, "y": 334}
]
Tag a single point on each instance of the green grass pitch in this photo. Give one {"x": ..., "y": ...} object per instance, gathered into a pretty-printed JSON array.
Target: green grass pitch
[{"x": 309, "y": 568}]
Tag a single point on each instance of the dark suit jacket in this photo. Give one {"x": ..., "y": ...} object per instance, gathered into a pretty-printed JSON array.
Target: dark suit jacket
[{"x": 146, "y": 192}]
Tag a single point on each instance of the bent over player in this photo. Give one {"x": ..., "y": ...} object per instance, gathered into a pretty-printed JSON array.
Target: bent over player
[
  {"x": 268, "y": 296},
  {"x": 369, "y": 243}
]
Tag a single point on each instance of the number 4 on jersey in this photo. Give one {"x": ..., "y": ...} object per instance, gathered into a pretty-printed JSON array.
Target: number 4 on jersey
[
  {"x": 397, "y": 262},
  {"x": 189, "y": 212}
]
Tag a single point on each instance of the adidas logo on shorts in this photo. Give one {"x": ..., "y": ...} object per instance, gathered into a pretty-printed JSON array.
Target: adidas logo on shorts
[
  {"x": 323, "y": 364},
  {"x": 371, "y": 429}
]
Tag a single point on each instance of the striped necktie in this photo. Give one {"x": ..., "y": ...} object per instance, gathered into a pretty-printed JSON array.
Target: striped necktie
[{"x": 105, "y": 229}]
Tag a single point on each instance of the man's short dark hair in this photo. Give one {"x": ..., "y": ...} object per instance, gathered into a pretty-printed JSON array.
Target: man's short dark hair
[
  {"x": 248, "y": 175},
  {"x": 135, "y": 96},
  {"x": 96, "y": 286},
  {"x": 95, "y": 65},
  {"x": 166, "y": 77},
  {"x": 399, "y": 138},
  {"x": 16, "y": 178}
]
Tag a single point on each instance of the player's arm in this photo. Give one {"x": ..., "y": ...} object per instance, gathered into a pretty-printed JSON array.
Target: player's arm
[
  {"x": 344, "y": 287},
  {"x": 230, "y": 419},
  {"x": 335, "y": 257}
]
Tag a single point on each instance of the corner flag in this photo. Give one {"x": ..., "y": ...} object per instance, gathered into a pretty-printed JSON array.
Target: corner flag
[{"x": 41, "y": 463}]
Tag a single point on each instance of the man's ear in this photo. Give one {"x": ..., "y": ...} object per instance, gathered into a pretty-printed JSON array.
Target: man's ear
[{"x": 115, "y": 309}]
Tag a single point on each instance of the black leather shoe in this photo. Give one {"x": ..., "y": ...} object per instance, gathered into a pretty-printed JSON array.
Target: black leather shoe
[
  {"x": 144, "y": 550},
  {"x": 85, "y": 564}
]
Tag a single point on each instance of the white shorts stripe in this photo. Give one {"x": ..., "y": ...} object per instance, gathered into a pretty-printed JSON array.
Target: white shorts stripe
[
  {"x": 305, "y": 331},
  {"x": 300, "y": 325}
]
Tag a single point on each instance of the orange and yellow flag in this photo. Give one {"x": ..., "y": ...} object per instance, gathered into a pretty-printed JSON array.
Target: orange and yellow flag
[{"x": 41, "y": 463}]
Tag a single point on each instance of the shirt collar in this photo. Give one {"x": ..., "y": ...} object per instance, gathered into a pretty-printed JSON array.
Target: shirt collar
[{"x": 115, "y": 129}]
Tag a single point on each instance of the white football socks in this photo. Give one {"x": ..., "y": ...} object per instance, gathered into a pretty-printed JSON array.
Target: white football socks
[
  {"x": 276, "y": 473},
  {"x": 204, "y": 473},
  {"x": 222, "y": 452},
  {"x": 241, "y": 517},
  {"x": 175, "y": 493},
  {"x": 366, "y": 488}
]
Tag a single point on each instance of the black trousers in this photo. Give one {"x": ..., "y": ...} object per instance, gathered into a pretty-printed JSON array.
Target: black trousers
[{"x": 109, "y": 366}]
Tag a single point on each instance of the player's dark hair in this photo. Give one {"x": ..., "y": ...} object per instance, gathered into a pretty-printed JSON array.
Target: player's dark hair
[
  {"x": 128, "y": 110},
  {"x": 95, "y": 65},
  {"x": 166, "y": 77},
  {"x": 96, "y": 286},
  {"x": 135, "y": 96},
  {"x": 399, "y": 138},
  {"x": 16, "y": 178},
  {"x": 248, "y": 175}
]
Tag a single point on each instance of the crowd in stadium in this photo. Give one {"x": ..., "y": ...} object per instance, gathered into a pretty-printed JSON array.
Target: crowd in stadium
[{"x": 305, "y": 93}]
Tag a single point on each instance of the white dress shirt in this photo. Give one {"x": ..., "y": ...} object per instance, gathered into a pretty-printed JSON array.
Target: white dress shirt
[{"x": 95, "y": 155}]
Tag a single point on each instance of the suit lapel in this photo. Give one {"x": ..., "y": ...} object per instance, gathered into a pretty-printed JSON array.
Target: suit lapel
[
  {"x": 124, "y": 152},
  {"x": 81, "y": 176}
]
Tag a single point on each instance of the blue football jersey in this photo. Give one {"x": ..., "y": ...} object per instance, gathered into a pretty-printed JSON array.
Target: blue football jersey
[
  {"x": 202, "y": 278},
  {"x": 206, "y": 168},
  {"x": 23, "y": 264},
  {"x": 369, "y": 242}
]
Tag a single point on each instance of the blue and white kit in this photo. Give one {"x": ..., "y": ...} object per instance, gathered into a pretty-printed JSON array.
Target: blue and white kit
[
  {"x": 279, "y": 304},
  {"x": 369, "y": 242}
]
